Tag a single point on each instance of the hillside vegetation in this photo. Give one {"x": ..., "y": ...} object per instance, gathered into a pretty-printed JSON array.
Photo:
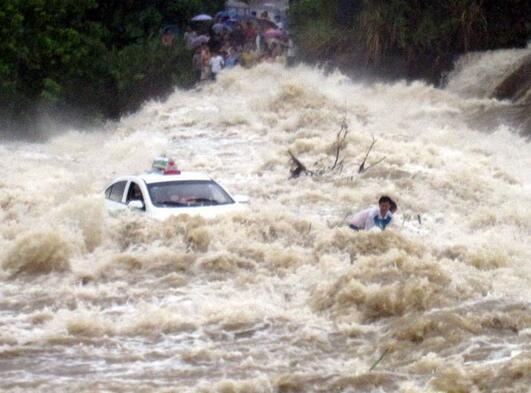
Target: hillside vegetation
[
  {"x": 96, "y": 59},
  {"x": 91, "y": 59},
  {"x": 412, "y": 38}
]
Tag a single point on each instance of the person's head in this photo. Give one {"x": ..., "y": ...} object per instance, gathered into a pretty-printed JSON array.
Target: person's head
[
  {"x": 385, "y": 204},
  {"x": 393, "y": 207}
]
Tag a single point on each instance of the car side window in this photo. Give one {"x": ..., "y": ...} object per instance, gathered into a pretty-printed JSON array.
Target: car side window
[
  {"x": 108, "y": 192},
  {"x": 134, "y": 193},
  {"x": 117, "y": 191}
]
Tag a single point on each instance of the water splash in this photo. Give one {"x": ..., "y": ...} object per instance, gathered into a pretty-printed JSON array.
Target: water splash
[{"x": 284, "y": 296}]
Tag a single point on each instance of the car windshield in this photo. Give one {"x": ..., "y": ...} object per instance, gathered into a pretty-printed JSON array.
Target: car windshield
[{"x": 188, "y": 194}]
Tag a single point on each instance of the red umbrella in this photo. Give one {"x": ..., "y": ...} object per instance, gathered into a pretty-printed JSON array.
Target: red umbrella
[{"x": 273, "y": 33}]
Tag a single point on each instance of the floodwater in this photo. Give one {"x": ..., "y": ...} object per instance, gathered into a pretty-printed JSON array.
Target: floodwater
[{"x": 283, "y": 297}]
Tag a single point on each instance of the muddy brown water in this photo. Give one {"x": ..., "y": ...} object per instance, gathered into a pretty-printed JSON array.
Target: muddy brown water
[{"x": 283, "y": 297}]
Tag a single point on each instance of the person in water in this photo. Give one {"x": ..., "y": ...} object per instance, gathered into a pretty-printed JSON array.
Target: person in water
[{"x": 377, "y": 216}]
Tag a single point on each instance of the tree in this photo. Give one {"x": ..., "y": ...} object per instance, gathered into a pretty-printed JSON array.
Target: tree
[
  {"x": 94, "y": 57},
  {"x": 422, "y": 35}
]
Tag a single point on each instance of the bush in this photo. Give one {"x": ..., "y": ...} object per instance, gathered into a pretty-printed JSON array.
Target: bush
[
  {"x": 147, "y": 69},
  {"x": 425, "y": 36},
  {"x": 92, "y": 58}
]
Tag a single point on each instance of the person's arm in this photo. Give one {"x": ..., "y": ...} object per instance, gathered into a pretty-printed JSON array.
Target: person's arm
[{"x": 360, "y": 218}]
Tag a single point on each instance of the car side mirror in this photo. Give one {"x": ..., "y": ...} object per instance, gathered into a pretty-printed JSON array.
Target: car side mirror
[
  {"x": 136, "y": 204},
  {"x": 241, "y": 198}
]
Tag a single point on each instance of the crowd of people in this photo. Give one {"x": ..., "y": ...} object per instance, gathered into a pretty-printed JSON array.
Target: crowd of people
[{"x": 226, "y": 41}]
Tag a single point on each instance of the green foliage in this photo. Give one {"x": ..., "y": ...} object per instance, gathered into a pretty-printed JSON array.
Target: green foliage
[
  {"x": 415, "y": 31},
  {"x": 40, "y": 45},
  {"x": 314, "y": 26},
  {"x": 100, "y": 57},
  {"x": 148, "y": 69},
  {"x": 319, "y": 39}
]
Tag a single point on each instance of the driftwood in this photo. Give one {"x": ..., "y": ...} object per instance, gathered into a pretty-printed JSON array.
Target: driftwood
[
  {"x": 299, "y": 168},
  {"x": 362, "y": 167},
  {"x": 379, "y": 359},
  {"x": 340, "y": 146}
]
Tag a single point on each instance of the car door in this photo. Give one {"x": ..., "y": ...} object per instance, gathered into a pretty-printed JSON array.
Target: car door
[
  {"x": 114, "y": 196},
  {"x": 134, "y": 193}
]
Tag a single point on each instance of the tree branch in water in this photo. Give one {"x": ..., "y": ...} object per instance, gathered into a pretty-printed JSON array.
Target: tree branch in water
[
  {"x": 362, "y": 169},
  {"x": 298, "y": 168},
  {"x": 340, "y": 146}
]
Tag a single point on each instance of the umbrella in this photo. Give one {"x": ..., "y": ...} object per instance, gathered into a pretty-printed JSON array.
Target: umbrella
[
  {"x": 264, "y": 23},
  {"x": 201, "y": 18},
  {"x": 243, "y": 17},
  {"x": 273, "y": 33},
  {"x": 218, "y": 28},
  {"x": 278, "y": 41},
  {"x": 222, "y": 14},
  {"x": 230, "y": 22},
  {"x": 172, "y": 29},
  {"x": 202, "y": 39}
]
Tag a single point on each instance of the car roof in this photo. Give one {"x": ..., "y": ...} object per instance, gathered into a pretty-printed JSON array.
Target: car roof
[{"x": 157, "y": 177}]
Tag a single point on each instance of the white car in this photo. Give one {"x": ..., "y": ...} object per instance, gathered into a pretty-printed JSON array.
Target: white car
[{"x": 166, "y": 191}]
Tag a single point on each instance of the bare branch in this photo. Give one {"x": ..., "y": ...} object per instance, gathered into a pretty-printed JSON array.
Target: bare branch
[
  {"x": 373, "y": 165},
  {"x": 299, "y": 167},
  {"x": 340, "y": 143},
  {"x": 341, "y": 165},
  {"x": 379, "y": 359},
  {"x": 362, "y": 169}
]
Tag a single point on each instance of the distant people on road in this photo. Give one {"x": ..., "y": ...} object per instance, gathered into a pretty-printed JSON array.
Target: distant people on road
[
  {"x": 231, "y": 57},
  {"x": 216, "y": 65},
  {"x": 249, "y": 56},
  {"x": 236, "y": 41},
  {"x": 250, "y": 32},
  {"x": 197, "y": 64},
  {"x": 279, "y": 23},
  {"x": 290, "y": 53},
  {"x": 205, "y": 63},
  {"x": 377, "y": 216},
  {"x": 167, "y": 39},
  {"x": 189, "y": 37}
]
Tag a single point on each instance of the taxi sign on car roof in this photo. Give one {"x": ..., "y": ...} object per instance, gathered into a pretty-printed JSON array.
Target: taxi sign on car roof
[{"x": 166, "y": 165}]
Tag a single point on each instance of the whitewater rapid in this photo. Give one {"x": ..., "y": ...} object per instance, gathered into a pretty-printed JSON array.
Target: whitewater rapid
[{"x": 283, "y": 297}]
